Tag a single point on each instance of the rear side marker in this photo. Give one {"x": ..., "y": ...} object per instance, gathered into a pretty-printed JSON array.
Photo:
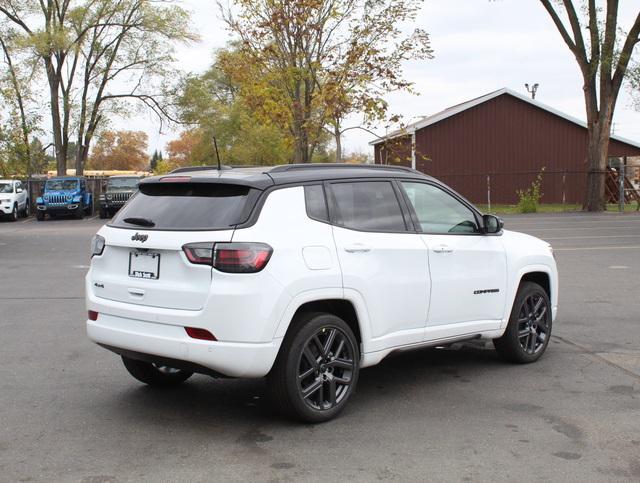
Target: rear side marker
[
  {"x": 201, "y": 334},
  {"x": 93, "y": 315}
]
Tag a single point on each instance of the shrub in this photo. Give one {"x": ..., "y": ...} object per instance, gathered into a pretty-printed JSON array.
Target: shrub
[{"x": 529, "y": 199}]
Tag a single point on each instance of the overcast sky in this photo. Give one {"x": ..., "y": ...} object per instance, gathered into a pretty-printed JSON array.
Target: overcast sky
[{"x": 479, "y": 47}]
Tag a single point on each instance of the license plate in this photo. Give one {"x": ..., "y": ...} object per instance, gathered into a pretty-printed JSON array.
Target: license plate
[{"x": 144, "y": 265}]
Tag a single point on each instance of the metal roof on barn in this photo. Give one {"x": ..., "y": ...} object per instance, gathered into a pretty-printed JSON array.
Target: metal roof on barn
[{"x": 458, "y": 108}]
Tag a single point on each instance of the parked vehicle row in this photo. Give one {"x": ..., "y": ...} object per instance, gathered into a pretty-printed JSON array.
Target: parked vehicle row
[
  {"x": 306, "y": 274},
  {"x": 66, "y": 196},
  {"x": 14, "y": 199}
]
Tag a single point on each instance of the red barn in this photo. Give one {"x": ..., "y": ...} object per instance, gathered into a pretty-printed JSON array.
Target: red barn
[{"x": 489, "y": 147}]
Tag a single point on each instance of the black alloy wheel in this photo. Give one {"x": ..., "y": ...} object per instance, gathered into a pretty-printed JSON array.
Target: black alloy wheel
[
  {"x": 325, "y": 368},
  {"x": 317, "y": 368},
  {"x": 532, "y": 324},
  {"x": 529, "y": 330}
]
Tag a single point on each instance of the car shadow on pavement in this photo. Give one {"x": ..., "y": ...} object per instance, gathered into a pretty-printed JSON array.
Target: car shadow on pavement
[{"x": 203, "y": 402}]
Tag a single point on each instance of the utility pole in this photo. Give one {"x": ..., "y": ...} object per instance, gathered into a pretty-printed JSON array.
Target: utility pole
[{"x": 532, "y": 90}]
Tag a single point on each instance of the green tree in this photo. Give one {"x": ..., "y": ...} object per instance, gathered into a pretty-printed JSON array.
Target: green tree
[
  {"x": 310, "y": 63},
  {"x": 155, "y": 159},
  {"x": 603, "y": 57},
  {"x": 16, "y": 82},
  {"x": 222, "y": 105},
  {"x": 99, "y": 57}
]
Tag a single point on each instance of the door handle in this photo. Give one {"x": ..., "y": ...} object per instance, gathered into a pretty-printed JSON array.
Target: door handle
[
  {"x": 357, "y": 248},
  {"x": 443, "y": 249}
]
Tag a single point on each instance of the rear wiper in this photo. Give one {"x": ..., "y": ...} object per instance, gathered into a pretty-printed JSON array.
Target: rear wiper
[{"x": 139, "y": 221}]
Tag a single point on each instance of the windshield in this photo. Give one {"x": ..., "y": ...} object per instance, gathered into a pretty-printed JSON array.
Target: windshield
[
  {"x": 122, "y": 184},
  {"x": 197, "y": 206},
  {"x": 6, "y": 188},
  {"x": 62, "y": 184}
]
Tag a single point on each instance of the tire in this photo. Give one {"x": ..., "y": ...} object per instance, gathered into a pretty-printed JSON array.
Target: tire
[
  {"x": 333, "y": 375},
  {"x": 39, "y": 215},
  {"x": 27, "y": 209},
  {"x": 531, "y": 314},
  {"x": 79, "y": 214},
  {"x": 103, "y": 214},
  {"x": 155, "y": 375},
  {"x": 13, "y": 216},
  {"x": 89, "y": 210}
]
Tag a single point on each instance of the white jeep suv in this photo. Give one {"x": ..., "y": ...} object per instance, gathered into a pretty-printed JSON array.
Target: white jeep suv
[
  {"x": 307, "y": 274},
  {"x": 14, "y": 199}
]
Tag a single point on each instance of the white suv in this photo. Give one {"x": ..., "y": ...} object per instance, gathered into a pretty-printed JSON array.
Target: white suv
[
  {"x": 307, "y": 274},
  {"x": 14, "y": 199}
]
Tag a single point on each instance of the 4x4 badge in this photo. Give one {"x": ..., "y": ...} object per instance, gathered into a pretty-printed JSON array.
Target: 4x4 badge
[{"x": 139, "y": 237}]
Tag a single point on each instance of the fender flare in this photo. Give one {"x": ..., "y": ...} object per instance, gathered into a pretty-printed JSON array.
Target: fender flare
[
  {"x": 337, "y": 293},
  {"x": 522, "y": 271}
]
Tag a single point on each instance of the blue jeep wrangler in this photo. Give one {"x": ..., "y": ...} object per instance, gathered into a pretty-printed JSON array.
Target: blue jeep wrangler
[{"x": 65, "y": 196}]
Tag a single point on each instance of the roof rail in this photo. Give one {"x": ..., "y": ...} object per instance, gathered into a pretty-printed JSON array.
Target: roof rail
[{"x": 293, "y": 167}]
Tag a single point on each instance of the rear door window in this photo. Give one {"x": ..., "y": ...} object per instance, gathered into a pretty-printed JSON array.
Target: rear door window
[
  {"x": 316, "y": 203},
  {"x": 187, "y": 206},
  {"x": 368, "y": 206}
]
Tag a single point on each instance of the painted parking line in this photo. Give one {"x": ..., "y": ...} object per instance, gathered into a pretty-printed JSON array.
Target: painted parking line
[
  {"x": 571, "y": 228},
  {"x": 576, "y": 249},
  {"x": 589, "y": 224},
  {"x": 28, "y": 220},
  {"x": 92, "y": 218},
  {"x": 573, "y": 221},
  {"x": 541, "y": 217},
  {"x": 634, "y": 222},
  {"x": 590, "y": 236}
]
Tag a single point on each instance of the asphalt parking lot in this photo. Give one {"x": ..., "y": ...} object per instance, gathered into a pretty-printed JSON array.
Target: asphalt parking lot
[{"x": 70, "y": 412}]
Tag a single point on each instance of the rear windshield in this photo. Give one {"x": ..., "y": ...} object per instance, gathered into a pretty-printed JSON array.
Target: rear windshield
[{"x": 187, "y": 206}]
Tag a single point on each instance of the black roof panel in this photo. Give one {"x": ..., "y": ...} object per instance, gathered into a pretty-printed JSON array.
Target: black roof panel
[{"x": 265, "y": 176}]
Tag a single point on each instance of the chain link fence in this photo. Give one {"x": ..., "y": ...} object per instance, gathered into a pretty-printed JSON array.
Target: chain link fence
[{"x": 565, "y": 188}]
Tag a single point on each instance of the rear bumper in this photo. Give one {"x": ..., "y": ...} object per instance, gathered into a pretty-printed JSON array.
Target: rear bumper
[{"x": 233, "y": 359}]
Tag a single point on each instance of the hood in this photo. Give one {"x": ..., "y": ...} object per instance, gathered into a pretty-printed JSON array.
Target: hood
[{"x": 67, "y": 194}]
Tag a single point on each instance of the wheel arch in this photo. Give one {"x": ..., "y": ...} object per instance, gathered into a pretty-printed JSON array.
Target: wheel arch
[
  {"x": 541, "y": 278},
  {"x": 543, "y": 275},
  {"x": 329, "y": 301},
  {"x": 339, "y": 307}
]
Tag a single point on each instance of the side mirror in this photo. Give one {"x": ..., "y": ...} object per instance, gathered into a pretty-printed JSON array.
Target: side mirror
[
  {"x": 19, "y": 190},
  {"x": 492, "y": 224}
]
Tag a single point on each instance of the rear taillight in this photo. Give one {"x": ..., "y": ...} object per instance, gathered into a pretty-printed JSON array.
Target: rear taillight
[
  {"x": 97, "y": 246},
  {"x": 199, "y": 253},
  {"x": 241, "y": 257},
  {"x": 230, "y": 257}
]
